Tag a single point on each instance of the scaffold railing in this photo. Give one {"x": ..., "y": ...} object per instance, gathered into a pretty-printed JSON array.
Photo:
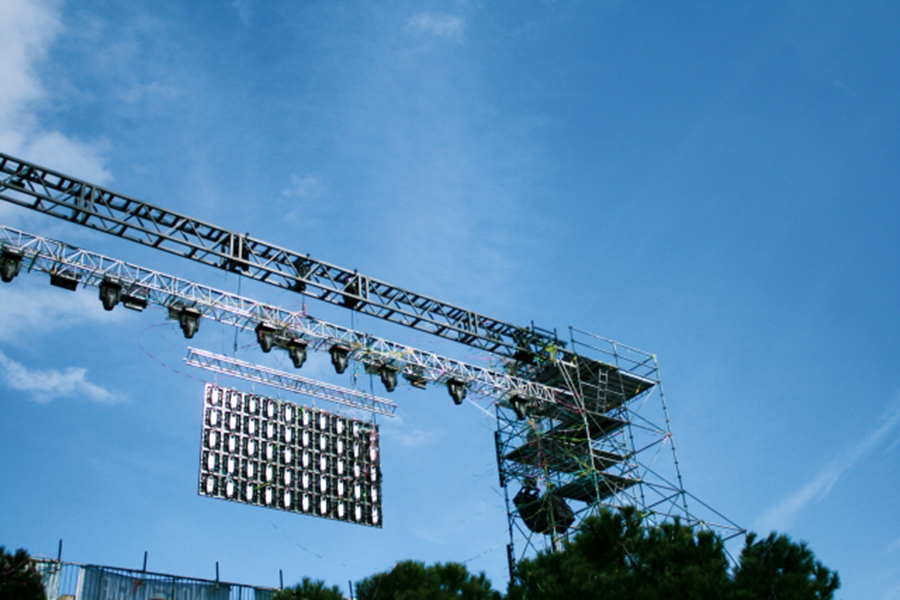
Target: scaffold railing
[{"x": 74, "y": 581}]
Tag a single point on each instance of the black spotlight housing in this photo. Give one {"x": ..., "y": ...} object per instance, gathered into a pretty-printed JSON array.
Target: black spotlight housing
[
  {"x": 351, "y": 290},
  {"x": 10, "y": 263},
  {"x": 110, "y": 291},
  {"x": 388, "y": 376},
  {"x": 520, "y": 404},
  {"x": 457, "y": 390},
  {"x": 265, "y": 336},
  {"x": 340, "y": 357},
  {"x": 66, "y": 280},
  {"x": 133, "y": 302},
  {"x": 415, "y": 379},
  {"x": 296, "y": 349},
  {"x": 189, "y": 320}
]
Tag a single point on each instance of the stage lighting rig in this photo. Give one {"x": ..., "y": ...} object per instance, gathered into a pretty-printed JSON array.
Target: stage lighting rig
[
  {"x": 110, "y": 290},
  {"x": 521, "y": 405},
  {"x": 351, "y": 290},
  {"x": 64, "y": 279},
  {"x": 415, "y": 377},
  {"x": 188, "y": 318},
  {"x": 265, "y": 336},
  {"x": 388, "y": 376},
  {"x": 132, "y": 301},
  {"x": 296, "y": 349},
  {"x": 10, "y": 263},
  {"x": 340, "y": 357},
  {"x": 457, "y": 390}
]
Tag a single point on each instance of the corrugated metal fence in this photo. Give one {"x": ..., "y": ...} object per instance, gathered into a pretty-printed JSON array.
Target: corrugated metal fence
[{"x": 71, "y": 581}]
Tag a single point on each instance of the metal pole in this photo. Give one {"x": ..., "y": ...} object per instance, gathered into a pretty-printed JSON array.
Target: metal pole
[
  {"x": 59, "y": 552},
  {"x": 280, "y": 580},
  {"x": 145, "y": 561}
]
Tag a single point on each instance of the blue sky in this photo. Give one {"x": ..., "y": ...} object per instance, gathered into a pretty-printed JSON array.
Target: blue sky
[{"x": 713, "y": 183}]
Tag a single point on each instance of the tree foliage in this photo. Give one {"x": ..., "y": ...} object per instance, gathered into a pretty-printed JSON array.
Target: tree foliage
[
  {"x": 18, "y": 578},
  {"x": 410, "y": 580},
  {"x": 776, "y": 567},
  {"x": 615, "y": 557},
  {"x": 308, "y": 589}
]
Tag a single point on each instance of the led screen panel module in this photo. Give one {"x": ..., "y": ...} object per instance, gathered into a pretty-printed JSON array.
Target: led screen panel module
[{"x": 267, "y": 452}]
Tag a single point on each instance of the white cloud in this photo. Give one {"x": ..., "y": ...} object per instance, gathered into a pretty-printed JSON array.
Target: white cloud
[
  {"x": 27, "y": 31},
  {"x": 45, "y": 385},
  {"x": 783, "y": 515},
  {"x": 893, "y": 546},
  {"x": 397, "y": 430},
  {"x": 305, "y": 188},
  {"x": 31, "y": 307},
  {"x": 446, "y": 26},
  {"x": 244, "y": 10}
]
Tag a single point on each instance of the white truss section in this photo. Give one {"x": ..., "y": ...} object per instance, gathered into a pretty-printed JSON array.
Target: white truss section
[
  {"x": 155, "y": 288},
  {"x": 234, "y": 367}
]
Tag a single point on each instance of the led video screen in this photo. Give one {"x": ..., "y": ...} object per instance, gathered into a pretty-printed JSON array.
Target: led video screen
[{"x": 277, "y": 454}]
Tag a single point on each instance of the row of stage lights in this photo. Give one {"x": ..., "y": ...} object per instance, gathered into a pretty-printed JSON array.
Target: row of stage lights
[{"x": 267, "y": 336}]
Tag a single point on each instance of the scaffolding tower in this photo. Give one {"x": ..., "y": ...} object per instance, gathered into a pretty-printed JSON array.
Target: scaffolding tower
[{"x": 607, "y": 444}]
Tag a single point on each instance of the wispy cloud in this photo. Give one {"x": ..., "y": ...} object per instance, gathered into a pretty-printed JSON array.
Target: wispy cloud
[
  {"x": 45, "y": 385},
  {"x": 305, "y": 188},
  {"x": 28, "y": 29},
  {"x": 894, "y": 546},
  {"x": 406, "y": 435},
  {"x": 445, "y": 26},
  {"x": 784, "y": 514},
  {"x": 31, "y": 309},
  {"x": 244, "y": 10}
]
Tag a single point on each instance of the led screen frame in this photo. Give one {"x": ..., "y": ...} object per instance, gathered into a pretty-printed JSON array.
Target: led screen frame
[{"x": 277, "y": 454}]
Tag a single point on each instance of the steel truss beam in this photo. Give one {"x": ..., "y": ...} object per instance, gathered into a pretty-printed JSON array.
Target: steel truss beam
[
  {"x": 234, "y": 367},
  {"x": 80, "y": 202},
  {"x": 147, "y": 286}
]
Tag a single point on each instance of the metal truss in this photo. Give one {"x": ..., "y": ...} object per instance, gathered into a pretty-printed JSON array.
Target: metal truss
[
  {"x": 80, "y": 202},
  {"x": 234, "y": 367},
  {"x": 139, "y": 286},
  {"x": 608, "y": 448}
]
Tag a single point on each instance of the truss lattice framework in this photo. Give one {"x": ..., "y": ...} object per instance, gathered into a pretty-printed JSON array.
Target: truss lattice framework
[
  {"x": 78, "y": 201},
  {"x": 155, "y": 288},
  {"x": 226, "y": 365},
  {"x": 581, "y": 426},
  {"x": 609, "y": 448}
]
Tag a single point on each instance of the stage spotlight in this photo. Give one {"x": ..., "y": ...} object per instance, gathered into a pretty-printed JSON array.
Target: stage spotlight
[
  {"x": 416, "y": 378},
  {"x": 133, "y": 302},
  {"x": 296, "y": 349},
  {"x": 303, "y": 266},
  {"x": 10, "y": 263},
  {"x": 388, "y": 377},
  {"x": 457, "y": 390},
  {"x": 66, "y": 280},
  {"x": 109, "y": 293},
  {"x": 265, "y": 336},
  {"x": 520, "y": 404},
  {"x": 188, "y": 318},
  {"x": 340, "y": 356},
  {"x": 351, "y": 289}
]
